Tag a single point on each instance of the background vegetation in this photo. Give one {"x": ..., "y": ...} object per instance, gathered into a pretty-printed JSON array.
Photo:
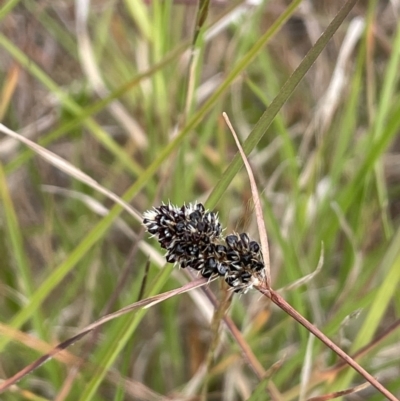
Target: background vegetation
[{"x": 132, "y": 93}]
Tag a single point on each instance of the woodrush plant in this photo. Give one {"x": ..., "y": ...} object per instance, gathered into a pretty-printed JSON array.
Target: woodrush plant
[
  {"x": 193, "y": 238},
  {"x": 217, "y": 193}
]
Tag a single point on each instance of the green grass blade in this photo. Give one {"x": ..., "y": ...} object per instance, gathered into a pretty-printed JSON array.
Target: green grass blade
[
  {"x": 275, "y": 106},
  {"x": 129, "y": 325},
  {"x": 7, "y": 8}
]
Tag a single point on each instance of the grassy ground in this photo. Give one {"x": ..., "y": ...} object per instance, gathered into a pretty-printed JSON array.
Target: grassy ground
[{"x": 131, "y": 93}]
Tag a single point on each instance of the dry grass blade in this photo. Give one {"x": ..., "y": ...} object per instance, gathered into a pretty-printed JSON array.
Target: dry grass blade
[
  {"x": 9, "y": 146},
  {"x": 8, "y": 89},
  {"x": 279, "y": 301},
  {"x": 371, "y": 345},
  {"x": 329, "y": 374},
  {"x": 145, "y": 303},
  {"x": 33, "y": 342},
  {"x": 257, "y": 204},
  {"x": 308, "y": 277},
  {"x": 337, "y": 394},
  {"x": 69, "y": 169}
]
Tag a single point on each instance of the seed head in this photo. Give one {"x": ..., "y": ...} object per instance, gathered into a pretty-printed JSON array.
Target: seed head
[
  {"x": 245, "y": 261},
  {"x": 192, "y": 237}
]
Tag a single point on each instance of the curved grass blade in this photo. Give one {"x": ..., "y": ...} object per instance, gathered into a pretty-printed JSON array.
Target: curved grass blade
[{"x": 68, "y": 168}]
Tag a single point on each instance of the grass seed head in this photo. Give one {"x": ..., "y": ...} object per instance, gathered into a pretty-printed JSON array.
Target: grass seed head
[{"x": 192, "y": 237}]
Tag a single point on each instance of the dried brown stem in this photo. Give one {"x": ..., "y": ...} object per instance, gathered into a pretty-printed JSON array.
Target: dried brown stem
[
  {"x": 283, "y": 304},
  {"x": 362, "y": 351},
  {"x": 337, "y": 394}
]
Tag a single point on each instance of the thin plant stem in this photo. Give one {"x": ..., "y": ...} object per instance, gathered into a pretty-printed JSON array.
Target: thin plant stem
[{"x": 283, "y": 304}]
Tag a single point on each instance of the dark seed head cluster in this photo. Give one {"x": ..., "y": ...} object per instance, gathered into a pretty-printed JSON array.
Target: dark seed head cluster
[{"x": 193, "y": 238}]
